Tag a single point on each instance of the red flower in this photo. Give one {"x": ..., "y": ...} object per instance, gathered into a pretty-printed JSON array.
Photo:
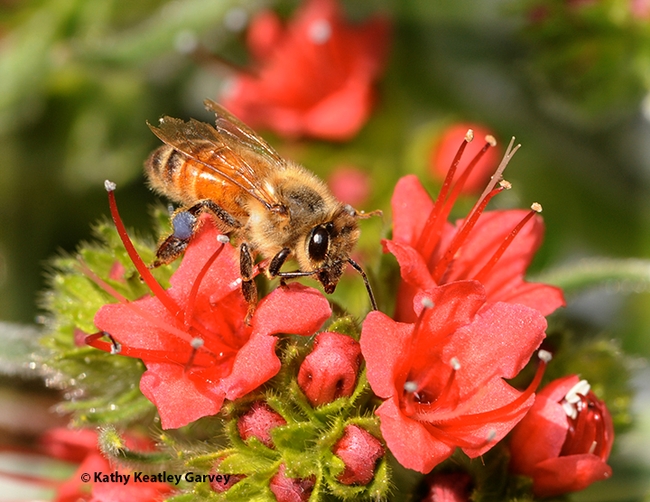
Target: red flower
[
  {"x": 193, "y": 339},
  {"x": 444, "y": 151},
  {"x": 494, "y": 248},
  {"x": 81, "y": 446},
  {"x": 330, "y": 370},
  {"x": 350, "y": 185},
  {"x": 564, "y": 441},
  {"x": 314, "y": 77},
  {"x": 442, "y": 377}
]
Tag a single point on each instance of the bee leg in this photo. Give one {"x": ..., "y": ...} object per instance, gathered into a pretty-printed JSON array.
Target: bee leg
[
  {"x": 248, "y": 287},
  {"x": 184, "y": 223},
  {"x": 276, "y": 264},
  {"x": 183, "y": 226}
]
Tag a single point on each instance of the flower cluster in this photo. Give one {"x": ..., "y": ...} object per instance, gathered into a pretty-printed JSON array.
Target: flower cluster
[{"x": 299, "y": 400}]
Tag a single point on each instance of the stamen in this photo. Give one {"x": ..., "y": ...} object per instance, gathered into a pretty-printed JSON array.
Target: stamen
[
  {"x": 145, "y": 273},
  {"x": 410, "y": 386},
  {"x": 496, "y": 177},
  {"x": 487, "y": 268},
  {"x": 191, "y": 300},
  {"x": 480, "y": 418},
  {"x": 196, "y": 344},
  {"x": 454, "y": 363},
  {"x": 427, "y": 302},
  {"x": 429, "y": 240},
  {"x": 582, "y": 388},
  {"x": 461, "y": 235}
]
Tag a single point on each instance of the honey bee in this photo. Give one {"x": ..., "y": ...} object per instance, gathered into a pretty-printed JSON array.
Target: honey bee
[{"x": 275, "y": 208}]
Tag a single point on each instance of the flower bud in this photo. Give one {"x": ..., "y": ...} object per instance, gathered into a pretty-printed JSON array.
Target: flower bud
[
  {"x": 565, "y": 439},
  {"x": 330, "y": 370},
  {"x": 288, "y": 489},
  {"x": 258, "y": 422},
  {"x": 359, "y": 450},
  {"x": 448, "y": 487}
]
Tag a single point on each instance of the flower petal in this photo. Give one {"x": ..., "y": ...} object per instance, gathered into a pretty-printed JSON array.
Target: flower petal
[
  {"x": 560, "y": 475},
  {"x": 412, "y": 444},
  {"x": 411, "y": 207},
  {"x": 294, "y": 309}
]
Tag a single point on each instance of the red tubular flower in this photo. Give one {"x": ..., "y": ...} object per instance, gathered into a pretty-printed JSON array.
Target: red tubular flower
[
  {"x": 193, "y": 339},
  {"x": 492, "y": 247},
  {"x": 360, "y": 451},
  {"x": 330, "y": 370},
  {"x": 564, "y": 441},
  {"x": 442, "y": 377},
  {"x": 258, "y": 423},
  {"x": 314, "y": 77},
  {"x": 288, "y": 489},
  {"x": 445, "y": 148}
]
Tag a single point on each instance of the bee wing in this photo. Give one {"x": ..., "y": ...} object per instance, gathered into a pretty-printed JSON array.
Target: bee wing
[
  {"x": 227, "y": 124},
  {"x": 239, "y": 163}
]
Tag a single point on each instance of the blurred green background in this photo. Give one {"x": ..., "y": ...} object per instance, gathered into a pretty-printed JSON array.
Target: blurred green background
[{"x": 569, "y": 79}]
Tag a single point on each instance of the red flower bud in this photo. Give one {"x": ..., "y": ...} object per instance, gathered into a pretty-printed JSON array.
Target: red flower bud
[
  {"x": 359, "y": 450},
  {"x": 290, "y": 489},
  {"x": 330, "y": 371},
  {"x": 444, "y": 151},
  {"x": 226, "y": 481},
  {"x": 258, "y": 422},
  {"x": 565, "y": 439},
  {"x": 448, "y": 487}
]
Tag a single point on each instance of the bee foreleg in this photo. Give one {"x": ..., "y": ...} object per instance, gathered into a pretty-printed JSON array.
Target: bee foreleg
[
  {"x": 248, "y": 287},
  {"x": 277, "y": 262}
]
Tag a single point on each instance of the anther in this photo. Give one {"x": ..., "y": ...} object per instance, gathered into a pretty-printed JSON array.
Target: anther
[
  {"x": 491, "y": 435},
  {"x": 469, "y": 135},
  {"x": 223, "y": 239},
  {"x": 545, "y": 355},
  {"x": 582, "y": 388},
  {"x": 454, "y": 363},
  {"x": 410, "y": 386},
  {"x": 197, "y": 343},
  {"x": 109, "y": 186},
  {"x": 491, "y": 140},
  {"x": 505, "y": 184},
  {"x": 427, "y": 302},
  {"x": 536, "y": 206},
  {"x": 116, "y": 347}
]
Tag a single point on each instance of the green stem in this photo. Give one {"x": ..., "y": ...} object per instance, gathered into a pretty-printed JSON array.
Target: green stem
[{"x": 624, "y": 274}]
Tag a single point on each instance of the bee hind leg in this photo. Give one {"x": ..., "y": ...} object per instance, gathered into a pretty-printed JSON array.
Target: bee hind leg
[
  {"x": 184, "y": 225},
  {"x": 248, "y": 287}
]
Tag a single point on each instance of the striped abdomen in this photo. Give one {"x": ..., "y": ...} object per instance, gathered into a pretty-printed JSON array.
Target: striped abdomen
[{"x": 187, "y": 181}]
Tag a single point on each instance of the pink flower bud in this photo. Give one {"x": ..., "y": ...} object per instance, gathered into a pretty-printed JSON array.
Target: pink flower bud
[
  {"x": 330, "y": 371},
  {"x": 359, "y": 450},
  {"x": 258, "y": 422},
  {"x": 290, "y": 489},
  {"x": 448, "y": 487},
  {"x": 225, "y": 482}
]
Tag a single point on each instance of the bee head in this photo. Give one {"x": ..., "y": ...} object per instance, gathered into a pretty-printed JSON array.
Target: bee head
[{"x": 329, "y": 245}]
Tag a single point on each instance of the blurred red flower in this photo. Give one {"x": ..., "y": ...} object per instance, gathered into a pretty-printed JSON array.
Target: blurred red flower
[
  {"x": 442, "y": 377},
  {"x": 493, "y": 247},
  {"x": 446, "y": 146},
  {"x": 193, "y": 338},
  {"x": 564, "y": 441},
  {"x": 313, "y": 77},
  {"x": 81, "y": 446}
]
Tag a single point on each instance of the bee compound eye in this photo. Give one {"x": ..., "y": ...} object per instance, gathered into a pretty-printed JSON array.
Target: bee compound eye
[
  {"x": 318, "y": 243},
  {"x": 183, "y": 223}
]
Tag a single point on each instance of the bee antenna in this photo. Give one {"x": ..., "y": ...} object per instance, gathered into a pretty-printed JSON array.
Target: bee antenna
[{"x": 358, "y": 268}]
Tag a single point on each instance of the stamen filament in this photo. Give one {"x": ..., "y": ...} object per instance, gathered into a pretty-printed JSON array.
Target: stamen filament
[
  {"x": 487, "y": 268},
  {"x": 191, "y": 300},
  {"x": 144, "y": 271},
  {"x": 483, "y": 417},
  {"x": 461, "y": 235}
]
